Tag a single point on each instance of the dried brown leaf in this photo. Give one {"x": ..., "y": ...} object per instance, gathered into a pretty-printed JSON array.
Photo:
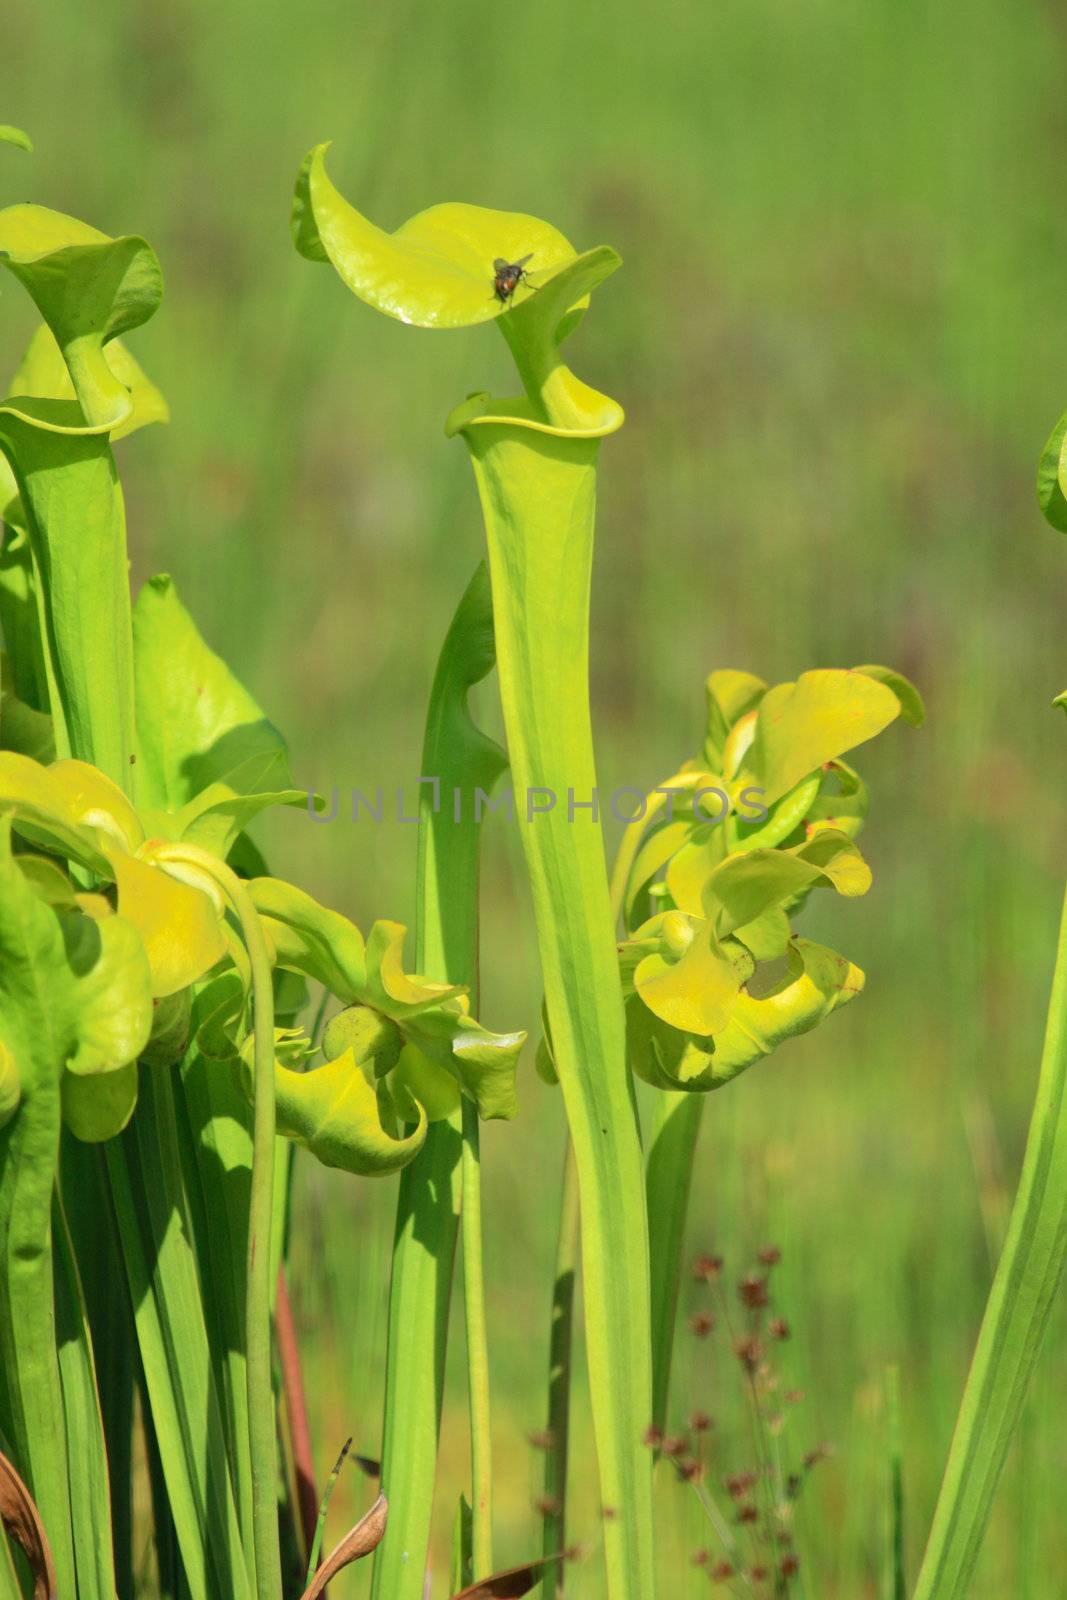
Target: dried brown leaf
[
  {"x": 23, "y": 1523},
  {"x": 358, "y": 1541},
  {"x": 507, "y": 1585}
]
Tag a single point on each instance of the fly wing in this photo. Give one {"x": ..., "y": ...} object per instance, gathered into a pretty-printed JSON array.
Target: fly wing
[{"x": 500, "y": 265}]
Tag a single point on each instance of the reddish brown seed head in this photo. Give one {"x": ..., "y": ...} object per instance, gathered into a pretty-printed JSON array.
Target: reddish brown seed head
[
  {"x": 752, "y": 1292},
  {"x": 749, "y": 1351}
]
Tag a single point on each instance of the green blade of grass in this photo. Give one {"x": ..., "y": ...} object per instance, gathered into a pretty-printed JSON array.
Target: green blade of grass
[
  {"x": 668, "y": 1180},
  {"x": 457, "y": 753},
  {"x": 91, "y": 1222},
  {"x": 560, "y": 1366},
  {"x": 894, "y": 1583},
  {"x": 144, "y": 1168},
  {"x": 90, "y": 1490},
  {"x": 1013, "y": 1327}
]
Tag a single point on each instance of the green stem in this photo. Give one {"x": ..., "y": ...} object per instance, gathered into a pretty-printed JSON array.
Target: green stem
[
  {"x": 460, "y": 756},
  {"x": 560, "y": 1362},
  {"x": 668, "y": 1182},
  {"x": 1014, "y": 1324},
  {"x": 477, "y": 1350},
  {"x": 183, "y": 1401},
  {"x": 262, "y": 1432},
  {"x": 32, "y": 1402},
  {"x": 895, "y": 1583},
  {"x": 538, "y": 495},
  {"x": 77, "y": 530},
  {"x": 320, "y": 1521},
  {"x": 427, "y": 1223}
]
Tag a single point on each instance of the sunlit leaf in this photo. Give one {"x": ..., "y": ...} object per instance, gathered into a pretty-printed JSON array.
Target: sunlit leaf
[
  {"x": 43, "y": 374},
  {"x": 334, "y": 1112},
  {"x": 197, "y": 725},
  {"x": 1051, "y": 476},
  {"x": 816, "y": 982},
  {"x": 912, "y": 709},
  {"x": 745, "y": 885},
  {"x": 693, "y": 980},
  {"x": 88, "y": 288},
  {"x": 437, "y": 269},
  {"x": 730, "y": 694},
  {"x": 800, "y": 726}
]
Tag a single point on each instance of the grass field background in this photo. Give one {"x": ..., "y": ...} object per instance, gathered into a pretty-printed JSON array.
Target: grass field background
[{"x": 841, "y": 339}]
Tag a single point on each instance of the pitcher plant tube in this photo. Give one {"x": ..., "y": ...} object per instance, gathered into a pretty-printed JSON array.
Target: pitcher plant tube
[{"x": 535, "y": 462}]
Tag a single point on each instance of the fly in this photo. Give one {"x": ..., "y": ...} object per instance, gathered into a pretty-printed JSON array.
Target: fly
[{"x": 507, "y": 275}]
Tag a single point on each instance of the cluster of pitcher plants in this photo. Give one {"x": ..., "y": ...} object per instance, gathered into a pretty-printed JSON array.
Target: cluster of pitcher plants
[{"x": 177, "y": 1024}]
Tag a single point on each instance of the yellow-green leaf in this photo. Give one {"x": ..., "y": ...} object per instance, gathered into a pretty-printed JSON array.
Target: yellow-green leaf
[
  {"x": 334, "y": 1112},
  {"x": 436, "y": 270},
  {"x": 800, "y": 726}
]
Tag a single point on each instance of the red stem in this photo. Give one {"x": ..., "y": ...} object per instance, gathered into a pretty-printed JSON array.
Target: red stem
[{"x": 307, "y": 1495}]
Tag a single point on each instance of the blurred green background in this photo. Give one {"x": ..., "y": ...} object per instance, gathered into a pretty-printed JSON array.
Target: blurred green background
[{"x": 841, "y": 339}]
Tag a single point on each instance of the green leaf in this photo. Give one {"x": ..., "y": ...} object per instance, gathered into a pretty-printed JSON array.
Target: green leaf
[
  {"x": 1050, "y": 477},
  {"x": 538, "y": 491},
  {"x": 668, "y": 1181},
  {"x": 310, "y": 938},
  {"x": 43, "y": 374},
  {"x": 436, "y": 270},
  {"x": 692, "y": 980},
  {"x": 219, "y": 814},
  {"x": 842, "y": 802},
  {"x": 23, "y": 730},
  {"x": 745, "y": 885},
  {"x": 144, "y": 1167},
  {"x": 334, "y": 1112},
  {"x": 429, "y": 1191},
  {"x": 197, "y": 725},
  {"x": 816, "y": 982},
  {"x": 912, "y": 709},
  {"x": 20, "y": 621},
  {"x": 730, "y": 695},
  {"x": 90, "y": 1490},
  {"x": 33, "y": 1039},
  {"x": 88, "y": 288},
  {"x": 800, "y": 726},
  {"x": 112, "y": 997},
  {"x": 15, "y": 136},
  {"x": 72, "y": 808},
  {"x": 97, "y": 980},
  {"x": 1025, "y": 1291},
  {"x": 76, "y": 525}
]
